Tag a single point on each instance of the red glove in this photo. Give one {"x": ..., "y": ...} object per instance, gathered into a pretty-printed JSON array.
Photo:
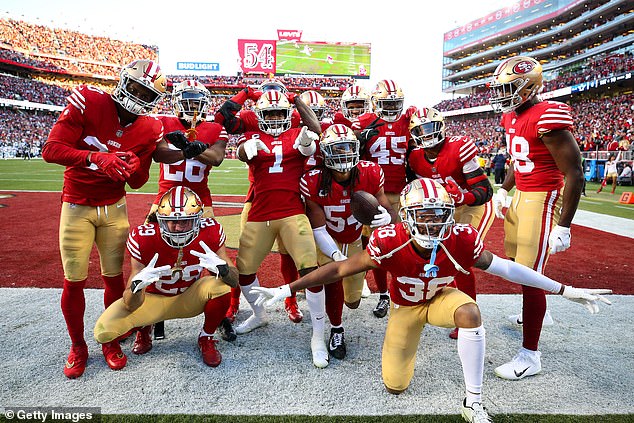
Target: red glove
[
  {"x": 252, "y": 94},
  {"x": 454, "y": 192},
  {"x": 410, "y": 111},
  {"x": 117, "y": 169},
  {"x": 291, "y": 97},
  {"x": 132, "y": 160}
]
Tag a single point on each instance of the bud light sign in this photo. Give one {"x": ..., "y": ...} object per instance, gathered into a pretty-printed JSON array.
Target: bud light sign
[{"x": 198, "y": 66}]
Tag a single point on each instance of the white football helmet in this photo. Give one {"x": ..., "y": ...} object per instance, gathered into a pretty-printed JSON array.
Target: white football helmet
[
  {"x": 427, "y": 127},
  {"x": 355, "y": 101},
  {"x": 181, "y": 209},
  {"x": 427, "y": 211},
  {"x": 191, "y": 98},
  {"x": 141, "y": 87},
  {"x": 274, "y": 113},
  {"x": 315, "y": 101},
  {"x": 339, "y": 148},
  {"x": 514, "y": 82},
  {"x": 387, "y": 100}
]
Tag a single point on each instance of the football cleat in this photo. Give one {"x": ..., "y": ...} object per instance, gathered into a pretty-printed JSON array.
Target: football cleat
[
  {"x": 454, "y": 334},
  {"x": 320, "y": 353},
  {"x": 232, "y": 312},
  {"x": 365, "y": 291},
  {"x": 337, "y": 344},
  {"x": 226, "y": 330},
  {"x": 292, "y": 309},
  {"x": 115, "y": 358},
  {"x": 253, "y": 322},
  {"x": 382, "y": 307},
  {"x": 159, "y": 330},
  {"x": 207, "y": 346},
  {"x": 143, "y": 340},
  {"x": 476, "y": 413},
  {"x": 76, "y": 362},
  {"x": 517, "y": 319},
  {"x": 525, "y": 363}
]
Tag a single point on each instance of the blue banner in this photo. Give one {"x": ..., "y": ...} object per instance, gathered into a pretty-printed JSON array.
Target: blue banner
[
  {"x": 584, "y": 86},
  {"x": 198, "y": 66}
]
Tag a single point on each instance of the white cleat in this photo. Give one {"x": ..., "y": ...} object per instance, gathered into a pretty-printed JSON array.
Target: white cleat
[
  {"x": 525, "y": 363},
  {"x": 517, "y": 319},
  {"x": 320, "y": 352},
  {"x": 365, "y": 291},
  {"x": 253, "y": 322},
  {"x": 476, "y": 413}
]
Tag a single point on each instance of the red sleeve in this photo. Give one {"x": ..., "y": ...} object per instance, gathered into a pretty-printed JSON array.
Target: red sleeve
[
  {"x": 60, "y": 145},
  {"x": 555, "y": 116},
  {"x": 142, "y": 175}
]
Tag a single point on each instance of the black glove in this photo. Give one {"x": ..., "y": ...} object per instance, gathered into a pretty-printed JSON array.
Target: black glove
[
  {"x": 177, "y": 139},
  {"x": 193, "y": 149},
  {"x": 370, "y": 131}
]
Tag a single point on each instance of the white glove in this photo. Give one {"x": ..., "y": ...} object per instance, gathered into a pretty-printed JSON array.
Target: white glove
[
  {"x": 209, "y": 260},
  {"x": 305, "y": 138},
  {"x": 499, "y": 202},
  {"x": 268, "y": 296},
  {"x": 381, "y": 219},
  {"x": 338, "y": 256},
  {"x": 252, "y": 146},
  {"x": 149, "y": 274},
  {"x": 559, "y": 239},
  {"x": 587, "y": 297}
]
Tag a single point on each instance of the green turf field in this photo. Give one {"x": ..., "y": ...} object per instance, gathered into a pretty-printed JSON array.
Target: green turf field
[
  {"x": 231, "y": 178},
  {"x": 346, "y": 59}
]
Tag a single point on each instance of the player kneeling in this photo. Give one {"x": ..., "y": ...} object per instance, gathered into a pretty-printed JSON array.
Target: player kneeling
[
  {"x": 169, "y": 258},
  {"x": 424, "y": 253}
]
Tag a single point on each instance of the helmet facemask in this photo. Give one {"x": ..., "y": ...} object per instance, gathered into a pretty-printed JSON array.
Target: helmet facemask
[
  {"x": 388, "y": 109},
  {"x": 340, "y": 156},
  {"x": 428, "y": 225},
  {"x": 179, "y": 214},
  {"x": 274, "y": 120},
  {"x": 515, "y": 81},
  {"x": 141, "y": 87},
  {"x": 191, "y": 102},
  {"x": 428, "y": 134}
]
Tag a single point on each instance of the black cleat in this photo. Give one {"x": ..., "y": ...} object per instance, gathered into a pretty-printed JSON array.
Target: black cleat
[
  {"x": 226, "y": 331},
  {"x": 337, "y": 344},
  {"x": 159, "y": 330},
  {"x": 382, "y": 307}
]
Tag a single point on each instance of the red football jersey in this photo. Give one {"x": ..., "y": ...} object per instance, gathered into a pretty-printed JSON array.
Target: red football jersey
[
  {"x": 340, "y": 222},
  {"x": 534, "y": 166},
  {"x": 90, "y": 123},
  {"x": 276, "y": 177},
  {"x": 339, "y": 118},
  {"x": 190, "y": 173},
  {"x": 145, "y": 240},
  {"x": 409, "y": 286},
  {"x": 456, "y": 158},
  {"x": 388, "y": 149}
]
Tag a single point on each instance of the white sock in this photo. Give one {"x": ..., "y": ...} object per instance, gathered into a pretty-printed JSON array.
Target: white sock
[
  {"x": 317, "y": 307},
  {"x": 203, "y": 333},
  {"x": 384, "y": 294},
  {"x": 471, "y": 347},
  {"x": 258, "y": 311}
]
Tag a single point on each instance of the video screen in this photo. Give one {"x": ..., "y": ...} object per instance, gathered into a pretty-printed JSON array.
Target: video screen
[{"x": 321, "y": 58}]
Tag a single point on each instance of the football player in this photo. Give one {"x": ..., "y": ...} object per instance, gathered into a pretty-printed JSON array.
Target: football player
[
  {"x": 247, "y": 120},
  {"x": 327, "y": 191},
  {"x": 355, "y": 101},
  {"x": 105, "y": 141},
  {"x": 384, "y": 136},
  {"x": 169, "y": 257},
  {"x": 545, "y": 153},
  {"x": 276, "y": 154},
  {"x": 425, "y": 252},
  {"x": 453, "y": 163},
  {"x": 201, "y": 145}
]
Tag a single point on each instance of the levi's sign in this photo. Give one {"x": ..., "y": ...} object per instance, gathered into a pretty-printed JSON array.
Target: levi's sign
[
  {"x": 197, "y": 66},
  {"x": 289, "y": 34}
]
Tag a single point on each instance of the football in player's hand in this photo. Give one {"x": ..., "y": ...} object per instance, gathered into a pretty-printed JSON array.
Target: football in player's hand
[{"x": 364, "y": 207}]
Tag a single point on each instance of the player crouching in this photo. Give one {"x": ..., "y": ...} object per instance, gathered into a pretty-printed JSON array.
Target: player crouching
[{"x": 168, "y": 258}]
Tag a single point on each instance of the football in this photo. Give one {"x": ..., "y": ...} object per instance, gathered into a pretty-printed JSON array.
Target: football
[{"x": 364, "y": 206}]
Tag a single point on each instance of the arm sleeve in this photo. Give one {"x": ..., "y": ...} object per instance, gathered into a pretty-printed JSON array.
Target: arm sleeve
[
  {"x": 324, "y": 241},
  {"x": 520, "y": 274}
]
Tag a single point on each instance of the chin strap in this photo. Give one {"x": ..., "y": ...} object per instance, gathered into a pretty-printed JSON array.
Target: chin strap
[
  {"x": 455, "y": 263},
  {"x": 394, "y": 251}
]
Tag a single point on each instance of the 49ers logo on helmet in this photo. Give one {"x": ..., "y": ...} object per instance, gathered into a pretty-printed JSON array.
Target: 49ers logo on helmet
[{"x": 523, "y": 67}]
